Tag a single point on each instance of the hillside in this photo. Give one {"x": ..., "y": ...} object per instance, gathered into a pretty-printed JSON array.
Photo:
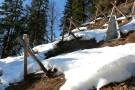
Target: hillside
[{"x": 43, "y": 83}]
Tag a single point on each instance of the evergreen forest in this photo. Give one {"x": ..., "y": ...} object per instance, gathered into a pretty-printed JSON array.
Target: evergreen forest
[{"x": 17, "y": 19}]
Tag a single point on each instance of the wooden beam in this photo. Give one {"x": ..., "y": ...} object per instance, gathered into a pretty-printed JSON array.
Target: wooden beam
[
  {"x": 74, "y": 24},
  {"x": 36, "y": 73},
  {"x": 33, "y": 56},
  {"x": 119, "y": 10},
  {"x": 96, "y": 15},
  {"x": 69, "y": 30},
  {"x": 70, "y": 25},
  {"x": 102, "y": 12},
  {"x": 25, "y": 57},
  {"x": 113, "y": 9},
  {"x": 77, "y": 21}
]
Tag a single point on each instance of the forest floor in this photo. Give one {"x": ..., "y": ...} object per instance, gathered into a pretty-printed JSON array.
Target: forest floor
[{"x": 44, "y": 83}]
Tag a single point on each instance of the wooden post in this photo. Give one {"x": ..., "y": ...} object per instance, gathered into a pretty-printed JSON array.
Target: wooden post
[
  {"x": 74, "y": 24},
  {"x": 119, "y": 11},
  {"x": 113, "y": 9},
  {"x": 63, "y": 30},
  {"x": 69, "y": 30},
  {"x": 102, "y": 13},
  {"x": 70, "y": 25},
  {"x": 133, "y": 11},
  {"x": 27, "y": 39},
  {"x": 96, "y": 14},
  {"x": 34, "y": 57},
  {"x": 25, "y": 56}
]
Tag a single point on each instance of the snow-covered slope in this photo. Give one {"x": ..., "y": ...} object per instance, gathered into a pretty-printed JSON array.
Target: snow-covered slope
[{"x": 83, "y": 69}]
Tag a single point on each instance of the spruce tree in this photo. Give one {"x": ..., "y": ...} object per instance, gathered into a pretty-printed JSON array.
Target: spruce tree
[
  {"x": 13, "y": 25},
  {"x": 79, "y": 8},
  {"x": 67, "y": 13},
  {"x": 37, "y": 21}
]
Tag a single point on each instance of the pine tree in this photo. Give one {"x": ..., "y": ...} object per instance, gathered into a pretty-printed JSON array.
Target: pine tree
[
  {"x": 12, "y": 23},
  {"x": 67, "y": 13},
  {"x": 37, "y": 21},
  {"x": 79, "y": 8}
]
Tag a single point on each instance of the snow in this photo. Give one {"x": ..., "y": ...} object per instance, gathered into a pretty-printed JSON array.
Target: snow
[
  {"x": 92, "y": 22},
  {"x": 128, "y": 27},
  {"x": 98, "y": 34},
  {"x": 83, "y": 69}
]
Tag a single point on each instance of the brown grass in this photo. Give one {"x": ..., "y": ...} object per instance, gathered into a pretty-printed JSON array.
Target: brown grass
[{"x": 39, "y": 83}]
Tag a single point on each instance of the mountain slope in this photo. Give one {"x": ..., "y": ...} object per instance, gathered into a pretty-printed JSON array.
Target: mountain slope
[{"x": 79, "y": 45}]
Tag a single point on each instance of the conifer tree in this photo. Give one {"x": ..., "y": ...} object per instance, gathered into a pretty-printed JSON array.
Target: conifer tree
[
  {"x": 13, "y": 25},
  {"x": 37, "y": 21},
  {"x": 67, "y": 13},
  {"x": 79, "y": 8}
]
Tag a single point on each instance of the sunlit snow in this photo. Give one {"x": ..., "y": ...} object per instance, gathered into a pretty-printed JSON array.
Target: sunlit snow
[{"x": 83, "y": 69}]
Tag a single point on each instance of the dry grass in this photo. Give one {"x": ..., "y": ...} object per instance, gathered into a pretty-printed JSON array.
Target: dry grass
[{"x": 39, "y": 83}]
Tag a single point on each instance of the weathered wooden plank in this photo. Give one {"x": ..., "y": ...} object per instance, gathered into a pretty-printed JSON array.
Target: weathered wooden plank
[
  {"x": 74, "y": 24},
  {"x": 36, "y": 73},
  {"x": 69, "y": 30},
  {"x": 32, "y": 55},
  {"x": 102, "y": 12},
  {"x": 119, "y": 10},
  {"x": 70, "y": 25},
  {"x": 113, "y": 9},
  {"x": 96, "y": 15},
  {"x": 25, "y": 56}
]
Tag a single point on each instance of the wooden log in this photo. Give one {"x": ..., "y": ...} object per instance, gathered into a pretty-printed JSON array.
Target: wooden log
[
  {"x": 102, "y": 12},
  {"x": 74, "y": 24},
  {"x": 25, "y": 56},
  {"x": 69, "y": 30},
  {"x": 119, "y": 10},
  {"x": 33, "y": 56},
  {"x": 36, "y": 73}
]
